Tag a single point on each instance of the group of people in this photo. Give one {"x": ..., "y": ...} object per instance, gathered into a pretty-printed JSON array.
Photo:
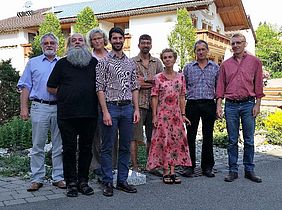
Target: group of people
[{"x": 96, "y": 103}]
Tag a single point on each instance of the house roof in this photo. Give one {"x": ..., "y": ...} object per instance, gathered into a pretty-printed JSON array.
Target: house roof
[
  {"x": 231, "y": 11},
  {"x": 15, "y": 23}
]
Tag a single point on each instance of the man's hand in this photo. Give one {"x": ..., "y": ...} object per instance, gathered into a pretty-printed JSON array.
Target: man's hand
[
  {"x": 107, "y": 119},
  {"x": 256, "y": 110},
  {"x": 136, "y": 116},
  {"x": 24, "y": 114}
]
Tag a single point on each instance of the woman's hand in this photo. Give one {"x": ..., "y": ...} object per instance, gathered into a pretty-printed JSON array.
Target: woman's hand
[
  {"x": 186, "y": 120},
  {"x": 155, "y": 123}
]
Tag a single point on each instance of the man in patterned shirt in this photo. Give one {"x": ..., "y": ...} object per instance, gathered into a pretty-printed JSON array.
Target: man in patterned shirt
[
  {"x": 147, "y": 67},
  {"x": 117, "y": 90},
  {"x": 201, "y": 76}
]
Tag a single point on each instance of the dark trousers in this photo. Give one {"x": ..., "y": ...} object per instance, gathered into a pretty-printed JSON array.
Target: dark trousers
[
  {"x": 206, "y": 111},
  {"x": 77, "y": 131}
]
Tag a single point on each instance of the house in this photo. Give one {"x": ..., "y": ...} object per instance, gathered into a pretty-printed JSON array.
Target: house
[{"x": 213, "y": 19}]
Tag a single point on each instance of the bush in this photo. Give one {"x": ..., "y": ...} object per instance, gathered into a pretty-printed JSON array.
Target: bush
[
  {"x": 14, "y": 165},
  {"x": 16, "y": 134},
  {"x": 9, "y": 97},
  {"x": 273, "y": 125},
  {"x": 220, "y": 136}
]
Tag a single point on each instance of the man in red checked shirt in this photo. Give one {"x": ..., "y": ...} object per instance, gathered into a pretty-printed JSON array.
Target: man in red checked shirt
[{"x": 240, "y": 82}]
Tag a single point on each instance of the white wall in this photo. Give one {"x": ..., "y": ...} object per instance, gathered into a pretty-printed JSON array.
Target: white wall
[
  {"x": 157, "y": 26},
  {"x": 10, "y": 48}
]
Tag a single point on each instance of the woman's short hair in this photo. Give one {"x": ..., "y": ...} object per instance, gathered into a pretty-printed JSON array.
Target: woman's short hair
[
  {"x": 93, "y": 31},
  {"x": 168, "y": 50}
]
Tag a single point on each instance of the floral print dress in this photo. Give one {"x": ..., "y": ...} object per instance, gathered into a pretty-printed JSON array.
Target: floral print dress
[{"x": 169, "y": 144}]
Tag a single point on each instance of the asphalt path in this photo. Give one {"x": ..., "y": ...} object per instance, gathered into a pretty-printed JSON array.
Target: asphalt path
[{"x": 194, "y": 193}]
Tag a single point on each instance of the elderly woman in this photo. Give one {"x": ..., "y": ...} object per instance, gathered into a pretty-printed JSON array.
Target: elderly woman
[{"x": 169, "y": 147}]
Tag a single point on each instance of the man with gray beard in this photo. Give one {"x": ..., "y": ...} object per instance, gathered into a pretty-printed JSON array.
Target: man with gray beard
[{"x": 73, "y": 80}]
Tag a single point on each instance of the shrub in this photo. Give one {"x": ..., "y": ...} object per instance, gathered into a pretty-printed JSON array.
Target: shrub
[
  {"x": 220, "y": 136},
  {"x": 273, "y": 125},
  {"x": 14, "y": 165},
  {"x": 9, "y": 97},
  {"x": 16, "y": 134}
]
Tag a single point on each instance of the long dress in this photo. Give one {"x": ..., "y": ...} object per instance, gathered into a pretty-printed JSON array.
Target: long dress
[{"x": 169, "y": 144}]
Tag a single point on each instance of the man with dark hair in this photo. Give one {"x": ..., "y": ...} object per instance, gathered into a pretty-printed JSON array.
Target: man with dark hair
[
  {"x": 32, "y": 85},
  {"x": 117, "y": 90},
  {"x": 240, "y": 82},
  {"x": 73, "y": 80},
  {"x": 147, "y": 67},
  {"x": 201, "y": 76}
]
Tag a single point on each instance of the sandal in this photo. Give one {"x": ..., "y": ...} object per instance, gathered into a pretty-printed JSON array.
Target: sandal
[
  {"x": 85, "y": 189},
  {"x": 175, "y": 179},
  {"x": 167, "y": 179},
  {"x": 72, "y": 190}
]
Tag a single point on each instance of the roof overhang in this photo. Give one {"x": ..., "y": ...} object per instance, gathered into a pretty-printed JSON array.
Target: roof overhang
[{"x": 233, "y": 14}]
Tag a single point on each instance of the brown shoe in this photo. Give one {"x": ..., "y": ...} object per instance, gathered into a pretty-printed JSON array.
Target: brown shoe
[
  {"x": 60, "y": 184},
  {"x": 34, "y": 186}
]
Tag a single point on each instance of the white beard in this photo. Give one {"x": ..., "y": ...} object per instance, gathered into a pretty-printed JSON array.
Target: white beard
[{"x": 79, "y": 56}]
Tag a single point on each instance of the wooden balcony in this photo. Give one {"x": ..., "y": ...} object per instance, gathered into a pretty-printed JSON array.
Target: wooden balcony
[
  {"x": 217, "y": 44},
  {"x": 27, "y": 49}
]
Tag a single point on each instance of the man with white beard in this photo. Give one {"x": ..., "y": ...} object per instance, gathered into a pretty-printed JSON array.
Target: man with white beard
[
  {"x": 43, "y": 113},
  {"x": 73, "y": 80}
]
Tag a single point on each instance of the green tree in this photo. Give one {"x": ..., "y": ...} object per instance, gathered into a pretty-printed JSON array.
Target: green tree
[
  {"x": 86, "y": 20},
  {"x": 9, "y": 97},
  {"x": 50, "y": 24},
  {"x": 269, "y": 48},
  {"x": 183, "y": 37}
]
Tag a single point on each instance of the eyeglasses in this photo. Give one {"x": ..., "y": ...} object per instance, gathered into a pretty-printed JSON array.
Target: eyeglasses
[
  {"x": 97, "y": 38},
  {"x": 49, "y": 43},
  {"x": 237, "y": 43}
]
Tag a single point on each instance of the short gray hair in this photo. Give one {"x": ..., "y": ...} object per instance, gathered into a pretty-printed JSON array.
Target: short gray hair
[
  {"x": 51, "y": 35},
  {"x": 91, "y": 33}
]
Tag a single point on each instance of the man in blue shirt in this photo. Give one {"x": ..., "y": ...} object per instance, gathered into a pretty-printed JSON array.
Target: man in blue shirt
[
  {"x": 201, "y": 76},
  {"x": 43, "y": 113}
]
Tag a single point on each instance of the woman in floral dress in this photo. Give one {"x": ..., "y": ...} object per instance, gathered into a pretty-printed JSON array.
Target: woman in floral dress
[{"x": 169, "y": 147}]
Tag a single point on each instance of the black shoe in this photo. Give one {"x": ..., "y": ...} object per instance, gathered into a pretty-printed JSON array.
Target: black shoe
[
  {"x": 231, "y": 177},
  {"x": 108, "y": 189},
  {"x": 252, "y": 176},
  {"x": 188, "y": 172},
  {"x": 85, "y": 189},
  {"x": 126, "y": 187},
  {"x": 208, "y": 173},
  {"x": 72, "y": 190}
]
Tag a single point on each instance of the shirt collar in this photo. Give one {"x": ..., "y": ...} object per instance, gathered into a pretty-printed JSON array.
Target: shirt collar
[
  {"x": 113, "y": 55},
  {"x": 151, "y": 58},
  {"x": 56, "y": 58},
  {"x": 197, "y": 63}
]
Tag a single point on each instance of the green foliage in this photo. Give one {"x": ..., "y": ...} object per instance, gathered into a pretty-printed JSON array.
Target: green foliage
[
  {"x": 50, "y": 24},
  {"x": 273, "y": 125},
  {"x": 220, "y": 136},
  {"x": 86, "y": 20},
  {"x": 16, "y": 134},
  {"x": 9, "y": 97},
  {"x": 183, "y": 37},
  {"x": 14, "y": 165},
  {"x": 271, "y": 57}
]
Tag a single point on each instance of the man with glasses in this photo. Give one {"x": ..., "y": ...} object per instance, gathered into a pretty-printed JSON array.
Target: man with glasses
[
  {"x": 32, "y": 85},
  {"x": 240, "y": 82}
]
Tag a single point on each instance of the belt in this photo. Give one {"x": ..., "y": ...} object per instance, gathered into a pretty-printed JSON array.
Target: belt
[
  {"x": 249, "y": 98},
  {"x": 45, "y": 102},
  {"x": 200, "y": 101},
  {"x": 120, "y": 103}
]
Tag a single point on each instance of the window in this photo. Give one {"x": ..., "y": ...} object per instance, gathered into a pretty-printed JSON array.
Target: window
[
  {"x": 31, "y": 37},
  {"x": 124, "y": 26}
]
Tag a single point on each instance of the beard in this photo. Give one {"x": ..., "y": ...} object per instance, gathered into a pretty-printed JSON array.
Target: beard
[
  {"x": 79, "y": 56},
  {"x": 49, "y": 52},
  {"x": 117, "y": 47}
]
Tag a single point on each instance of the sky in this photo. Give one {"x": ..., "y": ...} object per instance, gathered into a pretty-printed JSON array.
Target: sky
[{"x": 259, "y": 10}]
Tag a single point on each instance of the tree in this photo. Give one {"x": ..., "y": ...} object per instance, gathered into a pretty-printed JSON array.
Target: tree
[
  {"x": 86, "y": 20},
  {"x": 269, "y": 48},
  {"x": 183, "y": 37},
  {"x": 9, "y": 97},
  {"x": 50, "y": 24}
]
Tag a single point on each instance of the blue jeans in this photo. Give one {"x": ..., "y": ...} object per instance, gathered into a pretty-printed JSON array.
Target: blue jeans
[
  {"x": 234, "y": 112},
  {"x": 122, "y": 120}
]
